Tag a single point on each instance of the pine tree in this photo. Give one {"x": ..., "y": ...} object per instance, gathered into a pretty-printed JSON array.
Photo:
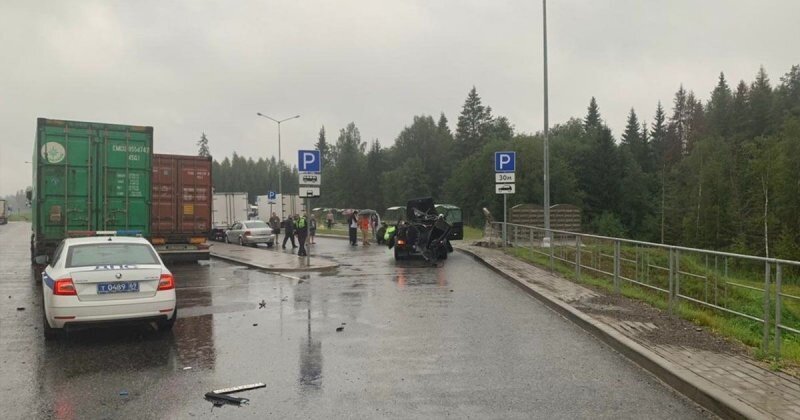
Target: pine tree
[
  {"x": 678, "y": 128},
  {"x": 323, "y": 147},
  {"x": 592, "y": 119},
  {"x": 632, "y": 140},
  {"x": 473, "y": 124},
  {"x": 718, "y": 107},
  {"x": 203, "y": 144},
  {"x": 761, "y": 100},
  {"x": 442, "y": 125}
]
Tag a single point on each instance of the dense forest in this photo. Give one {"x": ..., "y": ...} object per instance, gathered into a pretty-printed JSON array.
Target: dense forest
[{"x": 723, "y": 173}]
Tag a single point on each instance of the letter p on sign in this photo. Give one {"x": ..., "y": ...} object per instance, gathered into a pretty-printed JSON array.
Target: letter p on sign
[
  {"x": 504, "y": 161},
  {"x": 308, "y": 161}
]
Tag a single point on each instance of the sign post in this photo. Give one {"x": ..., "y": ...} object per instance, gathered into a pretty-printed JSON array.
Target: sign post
[
  {"x": 309, "y": 165},
  {"x": 504, "y": 177}
]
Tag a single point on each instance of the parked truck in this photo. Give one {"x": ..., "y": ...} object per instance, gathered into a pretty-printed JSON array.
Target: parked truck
[
  {"x": 291, "y": 204},
  {"x": 227, "y": 208},
  {"x": 89, "y": 177},
  {"x": 180, "y": 214},
  {"x": 3, "y": 215}
]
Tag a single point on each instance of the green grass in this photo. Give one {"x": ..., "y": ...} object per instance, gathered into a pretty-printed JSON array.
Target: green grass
[
  {"x": 19, "y": 217},
  {"x": 472, "y": 234},
  {"x": 739, "y": 299}
]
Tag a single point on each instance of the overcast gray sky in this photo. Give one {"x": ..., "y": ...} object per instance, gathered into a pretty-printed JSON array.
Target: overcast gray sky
[{"x": 191, "y": 66}]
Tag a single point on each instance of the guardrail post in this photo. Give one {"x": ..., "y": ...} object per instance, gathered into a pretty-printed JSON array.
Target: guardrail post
[
  {"x": 577, "y": 257},
  {"x": 778, "y": 309},
  {"x": 677, "y": 274},
  {"x": 531, "y": 231},
  {"x": 552, "y": 262},
  {"x": 616, "y": 266},
  {"x": 671, "y": 294},
  {"x": 765, "y": 341}
]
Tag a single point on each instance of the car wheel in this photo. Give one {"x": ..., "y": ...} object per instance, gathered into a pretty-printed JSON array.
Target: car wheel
[
  {"x": 50, "y": 333},
  {"x": 168, "y": 324}
]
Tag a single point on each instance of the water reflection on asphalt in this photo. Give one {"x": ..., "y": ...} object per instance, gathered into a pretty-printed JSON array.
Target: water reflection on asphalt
[{"x": 372, "y": 339}]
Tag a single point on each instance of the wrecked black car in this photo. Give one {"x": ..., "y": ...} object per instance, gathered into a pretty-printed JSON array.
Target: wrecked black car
[{"x": 424, "y": 232}]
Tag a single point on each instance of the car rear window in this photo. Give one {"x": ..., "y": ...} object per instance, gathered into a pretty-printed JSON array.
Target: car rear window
[
  {"x": 110, "y": 254},
  {"x": 256, "y": 225}
]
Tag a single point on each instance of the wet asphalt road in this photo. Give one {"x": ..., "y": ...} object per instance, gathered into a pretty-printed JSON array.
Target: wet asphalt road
[{"x": 456, "y": 341}]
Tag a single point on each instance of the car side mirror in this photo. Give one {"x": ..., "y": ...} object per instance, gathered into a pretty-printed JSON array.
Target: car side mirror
[{"x": 42, "y": 259}]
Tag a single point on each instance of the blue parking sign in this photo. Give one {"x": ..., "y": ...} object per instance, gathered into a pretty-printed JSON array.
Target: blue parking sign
[
  {"x": 271, "y": 195},
  {"x": 504, "y": 161},
  {"x": 308, "y": 161}
]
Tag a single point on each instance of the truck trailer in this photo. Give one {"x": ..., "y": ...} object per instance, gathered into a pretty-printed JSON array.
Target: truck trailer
[
  {"x": 3, "y": 210},
  {"x": 227, "y": 208},
  {"x": 180, "y": 214},
  {"x": 89, "y": 177}
]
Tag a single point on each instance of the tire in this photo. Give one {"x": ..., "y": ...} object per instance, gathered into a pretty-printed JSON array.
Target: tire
[
  {"x": 398, "y": 255},
  {"x": 50, "y": 333},
  {"x": 443, "y": 253},
  {"x": 166, "y": 326}
]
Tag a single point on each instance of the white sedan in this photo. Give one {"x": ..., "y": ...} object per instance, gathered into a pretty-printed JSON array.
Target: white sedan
[{"x": 106, "y": 279}]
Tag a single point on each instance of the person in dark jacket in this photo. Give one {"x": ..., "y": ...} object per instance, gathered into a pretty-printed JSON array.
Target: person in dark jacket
[
  {"x": 301, "y": 227},
  {"x": 275, "y": 224},
  {"x": 352, "y": 225},
  {"x": 288, "y": 231}
]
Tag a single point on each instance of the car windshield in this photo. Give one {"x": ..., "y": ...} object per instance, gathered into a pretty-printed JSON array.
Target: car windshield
[
  {"x": 110, "y": 254},
  {"x": 254, "y": 225}
]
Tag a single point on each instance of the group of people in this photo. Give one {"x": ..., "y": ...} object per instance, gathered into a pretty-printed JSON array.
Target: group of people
[
  {"x": 364, "y": 222},
  {"x": 298, "y": 225}
]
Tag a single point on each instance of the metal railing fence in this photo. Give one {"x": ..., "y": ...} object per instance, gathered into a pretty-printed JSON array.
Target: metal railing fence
[{"x": 721, "y": 281}]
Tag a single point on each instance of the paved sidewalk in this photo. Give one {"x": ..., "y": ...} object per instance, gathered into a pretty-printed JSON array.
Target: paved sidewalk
[
  {"x": 270, "y": 259},
  {"x": 731, "y": 385}
]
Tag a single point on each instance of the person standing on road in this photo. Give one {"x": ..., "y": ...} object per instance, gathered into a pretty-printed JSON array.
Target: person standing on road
[
  {"x": 312, "y": 228},
  {"x": 301, "y": 227},
  {"x": 288, "y": 227},
  {"x": 329, "y": 219},
  {"x": 352, "y": 224},
  {"x": 275, "y": 224},
  {"x": 364, "y": 224}
]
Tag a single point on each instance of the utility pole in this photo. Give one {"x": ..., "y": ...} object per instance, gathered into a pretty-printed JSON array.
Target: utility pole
[{"x": 546, "y": 241}]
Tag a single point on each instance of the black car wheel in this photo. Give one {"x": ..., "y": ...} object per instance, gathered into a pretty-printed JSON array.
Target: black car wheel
[{"x": 167, "y": 325}]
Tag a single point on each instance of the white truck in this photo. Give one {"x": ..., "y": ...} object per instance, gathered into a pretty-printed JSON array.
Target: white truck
[
  {"x": 292, "y": 204},
  {"x": 226, "y": 209},
  {"x": 3, "y": 215}
]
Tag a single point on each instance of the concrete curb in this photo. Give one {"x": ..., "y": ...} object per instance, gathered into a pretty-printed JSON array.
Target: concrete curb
[
  {"x": 698, "y": 389},
  {"x": 276, "y": 269}
]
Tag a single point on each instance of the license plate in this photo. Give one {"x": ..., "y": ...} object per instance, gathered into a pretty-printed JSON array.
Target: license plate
[{"x": 118, "y": 287}]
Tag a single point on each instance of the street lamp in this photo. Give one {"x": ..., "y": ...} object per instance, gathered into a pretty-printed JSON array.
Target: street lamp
[
  {"x": 280, "y": 185},
  {"x": 546, "y": 241}
]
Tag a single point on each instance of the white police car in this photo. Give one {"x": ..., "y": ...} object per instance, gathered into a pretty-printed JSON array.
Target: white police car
[{"x": 106, "y": 279}]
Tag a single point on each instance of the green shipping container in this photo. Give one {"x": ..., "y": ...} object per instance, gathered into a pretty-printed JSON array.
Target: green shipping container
[{"x": 89, "y": 177}]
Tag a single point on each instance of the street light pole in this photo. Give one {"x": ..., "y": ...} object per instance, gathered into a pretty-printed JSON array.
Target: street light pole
[
  {"x": 546, "y": 241},
  {"x": 280, "y": 172}
]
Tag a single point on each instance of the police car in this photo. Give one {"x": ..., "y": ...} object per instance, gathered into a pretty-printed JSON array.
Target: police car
[{"x": 105, "y": 279}]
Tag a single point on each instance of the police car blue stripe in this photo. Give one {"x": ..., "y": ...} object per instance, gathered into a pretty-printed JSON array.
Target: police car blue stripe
[{"x": 48, "y": 281}]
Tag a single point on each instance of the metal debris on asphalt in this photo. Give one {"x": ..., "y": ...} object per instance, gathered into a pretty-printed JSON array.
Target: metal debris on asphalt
[
  {"x": 187, "y": 368},
  {"x": 221, "y": 399},
  {"x": 255, "y": 325},
  {"x": 262, "y": 304},
  {"x": 339, "y": 329},
  {"x": 239, "y": 388},
  {"x": 20, "y": 308}
]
